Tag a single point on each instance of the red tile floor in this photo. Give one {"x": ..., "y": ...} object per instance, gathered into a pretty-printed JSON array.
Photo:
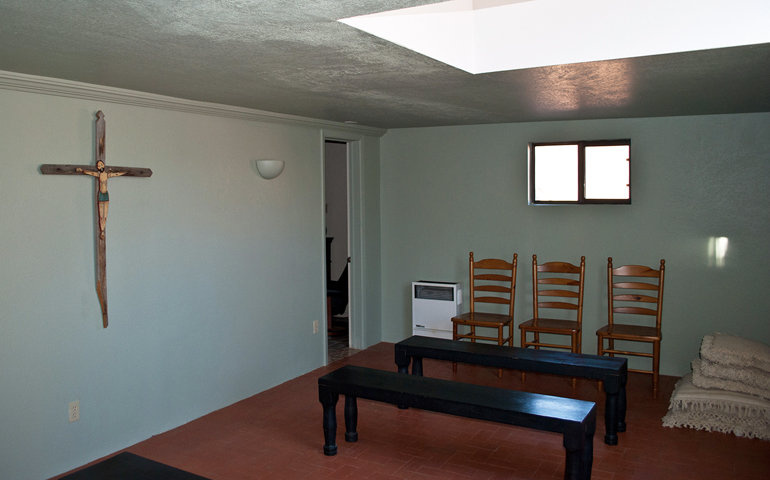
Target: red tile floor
[{"x": 277, "y": 435}]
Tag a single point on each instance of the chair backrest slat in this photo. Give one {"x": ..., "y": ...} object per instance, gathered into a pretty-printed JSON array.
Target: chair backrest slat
[
  {"x": 634, "y": 298},
  {"x": 492, "y": 288},
  {"x": 636, "y": 271},
  {"x": 558, "y": 281},
  {"x": 558, "y": 293},
  {"x": 493, "y": 264},
  {"x": 635, "y": 285},
  {"x": 500, "y": 300},
  {"x": 493, "y": 277},
  {"x": 561, "y": 305},
  {"x": 635, "y": 310}
]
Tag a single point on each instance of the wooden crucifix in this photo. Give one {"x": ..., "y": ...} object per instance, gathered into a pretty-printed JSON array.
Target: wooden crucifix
[{"x": 101, "y": 173}]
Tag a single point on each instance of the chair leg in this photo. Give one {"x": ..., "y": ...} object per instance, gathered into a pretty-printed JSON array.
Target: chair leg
[
  {"x": 523, "y": 345},
  {"x": 500, "y": 335},
  {"x": 600, "y": 352},
  {"x": 575, "y": 349},
  {"x": 500, "y": 342},
  {"x": 655, "y": 367},
  {"x": 454, "y": 337}
]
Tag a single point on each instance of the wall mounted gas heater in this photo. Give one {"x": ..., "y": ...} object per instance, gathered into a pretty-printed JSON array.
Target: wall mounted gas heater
[{"x": 433, "y": 306}]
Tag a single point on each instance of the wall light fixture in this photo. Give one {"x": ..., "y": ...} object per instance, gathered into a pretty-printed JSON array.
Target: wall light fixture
[{"x": 269, "y": 169}]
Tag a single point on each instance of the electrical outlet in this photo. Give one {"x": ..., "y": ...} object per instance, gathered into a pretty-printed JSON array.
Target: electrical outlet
[
  {"x": 74, "y": 411},
  {"x": 315, "y": 326}
]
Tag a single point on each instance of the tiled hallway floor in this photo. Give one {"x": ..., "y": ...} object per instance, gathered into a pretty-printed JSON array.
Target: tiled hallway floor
[
  {"x": 277, "y": 435},
  {"x": 339, "y": 349}
]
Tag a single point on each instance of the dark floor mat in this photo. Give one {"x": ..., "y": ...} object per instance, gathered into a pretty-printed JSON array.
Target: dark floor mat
[{"x": 127, "y": 466}]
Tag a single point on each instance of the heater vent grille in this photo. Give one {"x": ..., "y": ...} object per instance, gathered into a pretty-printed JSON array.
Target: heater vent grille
[{"x": 430, "y": 292}]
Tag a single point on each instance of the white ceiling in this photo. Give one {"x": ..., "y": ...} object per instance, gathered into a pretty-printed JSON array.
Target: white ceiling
[{"x": 296, "y": 58}]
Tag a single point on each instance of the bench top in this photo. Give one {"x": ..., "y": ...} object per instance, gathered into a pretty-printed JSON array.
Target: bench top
[
  {"x": 475, "y": 401},
  {"x": 530, "y": 359}
]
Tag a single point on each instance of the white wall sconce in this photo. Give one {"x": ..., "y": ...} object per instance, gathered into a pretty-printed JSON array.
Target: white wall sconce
[{"x": 269, "y": 169}]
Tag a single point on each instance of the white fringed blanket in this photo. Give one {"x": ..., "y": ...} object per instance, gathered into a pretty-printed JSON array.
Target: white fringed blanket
[
  {"x": 731, "y": 350},
  {"x": 728, "y": 390},
  {"x": 718, "y": 410},
  {"x": 733, "y": 363}
]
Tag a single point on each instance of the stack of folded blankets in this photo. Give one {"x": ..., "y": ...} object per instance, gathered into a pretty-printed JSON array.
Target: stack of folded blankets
[{"x": 728, "y": 390}]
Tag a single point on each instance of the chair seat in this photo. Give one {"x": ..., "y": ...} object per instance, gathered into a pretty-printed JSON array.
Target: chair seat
[
  {"x": 483, "y": 319},
  {"x": 550, "y": 325},
  {"x": 630, "y": 332}
]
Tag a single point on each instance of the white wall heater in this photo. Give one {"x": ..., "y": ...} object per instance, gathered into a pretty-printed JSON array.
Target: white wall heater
[{"x": 433, "y": 306}]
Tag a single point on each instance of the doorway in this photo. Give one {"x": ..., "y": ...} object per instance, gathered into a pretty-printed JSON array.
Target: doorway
[{"x": 336, "y": 207}]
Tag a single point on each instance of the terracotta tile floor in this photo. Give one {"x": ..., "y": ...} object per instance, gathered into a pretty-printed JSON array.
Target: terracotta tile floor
[{"x": 277, "y": 435}]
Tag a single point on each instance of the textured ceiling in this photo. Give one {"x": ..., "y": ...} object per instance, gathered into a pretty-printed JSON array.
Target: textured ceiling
[{"x": 293, "y": 57}]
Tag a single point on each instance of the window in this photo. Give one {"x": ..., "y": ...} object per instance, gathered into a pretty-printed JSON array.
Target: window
[{"x": 580, "y": 172}]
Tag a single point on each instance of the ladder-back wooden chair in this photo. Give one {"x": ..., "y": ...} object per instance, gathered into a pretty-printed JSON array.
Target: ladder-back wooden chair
[
  {"x": 634, "y": 290},
  {"x": 491, "y": 281},
  {"x": 561, "y": 288}
]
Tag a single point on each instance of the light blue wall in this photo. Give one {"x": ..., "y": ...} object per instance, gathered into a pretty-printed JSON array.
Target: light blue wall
[
  {"x": 214, "y": 274},
  {"x": 451, "y": 190},
  {"x": 370, "y": 237}
]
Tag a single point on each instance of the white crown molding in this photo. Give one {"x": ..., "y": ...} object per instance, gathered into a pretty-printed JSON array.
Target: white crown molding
[{"x": 66, "y": 88}]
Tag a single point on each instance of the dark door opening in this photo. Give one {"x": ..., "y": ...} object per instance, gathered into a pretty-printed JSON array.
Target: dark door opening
[{"x": 337, "y": 248}]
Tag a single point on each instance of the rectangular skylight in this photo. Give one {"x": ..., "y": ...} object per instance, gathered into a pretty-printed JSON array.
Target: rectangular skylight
[{"x": 482, "y": 36}]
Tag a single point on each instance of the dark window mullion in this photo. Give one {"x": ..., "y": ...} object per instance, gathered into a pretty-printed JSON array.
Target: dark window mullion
[
  {"x": 581, "y": 172},
  {"x": 532, "y": 183}
]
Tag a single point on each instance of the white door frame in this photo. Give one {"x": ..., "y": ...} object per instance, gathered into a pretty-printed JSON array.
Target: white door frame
[{"x": 356, "y": 323}]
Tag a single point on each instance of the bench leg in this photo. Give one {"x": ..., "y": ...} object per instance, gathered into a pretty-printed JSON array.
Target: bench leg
[
  {"x": 580, "y": 458},
  {"x": 573, "y": 469},
  {"x": 587, "y": 461},
  {"x": 417, "y": 366},
  {"x": 402, "y": 361},
  {"x": 615, "y": 408},
  {"x": 611, "y": 418},
  {"x": 329, "y": 402},
  {"x": 622, "y": 405},
  {"x": 579, "y": 444},
  {"x": 416, "y": 370},
  {"x": 611, "y": 409},
  {"x": 351, "y": 419}
]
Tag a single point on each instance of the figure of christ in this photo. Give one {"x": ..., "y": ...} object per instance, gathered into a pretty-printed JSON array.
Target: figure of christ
[{"x": 102, "y": 197}]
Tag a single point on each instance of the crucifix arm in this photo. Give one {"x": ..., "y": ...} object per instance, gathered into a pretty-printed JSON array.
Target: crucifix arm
[
  {"x": 67, "y": 169},
  {"x": 128, "y": 171},
  {"x": 86, "y": 172}
]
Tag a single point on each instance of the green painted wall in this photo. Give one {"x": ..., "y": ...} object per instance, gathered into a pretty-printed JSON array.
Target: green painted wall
[
  {"x": 451, "y": 190},
  {"x": 214, "y": 274}
]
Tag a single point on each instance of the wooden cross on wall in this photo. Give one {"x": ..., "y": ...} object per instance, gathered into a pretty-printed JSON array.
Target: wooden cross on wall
[{"x": 101, "y": 173}]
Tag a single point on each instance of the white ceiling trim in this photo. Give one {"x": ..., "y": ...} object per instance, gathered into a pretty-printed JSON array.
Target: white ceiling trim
[{"x": 86, "y": 91}]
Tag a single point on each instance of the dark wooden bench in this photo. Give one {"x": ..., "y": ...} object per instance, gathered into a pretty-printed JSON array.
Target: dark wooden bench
[
  {"x": 574, "y": 419},
  {"x": 613, "y": 371}
]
